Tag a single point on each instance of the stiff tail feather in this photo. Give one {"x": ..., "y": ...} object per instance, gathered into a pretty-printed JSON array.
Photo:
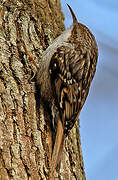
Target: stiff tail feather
[{"x": 58, "y": 146}]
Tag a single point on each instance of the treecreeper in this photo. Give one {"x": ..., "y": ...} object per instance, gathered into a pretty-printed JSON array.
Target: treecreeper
[{"x": 67, "y": 68}]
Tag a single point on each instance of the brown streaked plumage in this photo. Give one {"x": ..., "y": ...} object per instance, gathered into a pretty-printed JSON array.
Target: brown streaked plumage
[{"x": 67, "y": 69}]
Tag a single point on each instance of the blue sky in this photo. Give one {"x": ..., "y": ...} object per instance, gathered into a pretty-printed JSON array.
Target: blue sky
[{"x": 99, "y": 117}]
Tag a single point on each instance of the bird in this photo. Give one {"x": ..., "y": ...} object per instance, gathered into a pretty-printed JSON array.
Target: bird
[{"x": 66, "y": 71}]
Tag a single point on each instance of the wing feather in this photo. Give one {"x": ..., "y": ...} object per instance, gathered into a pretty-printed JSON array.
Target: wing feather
[{"x": 69, "y": 80}]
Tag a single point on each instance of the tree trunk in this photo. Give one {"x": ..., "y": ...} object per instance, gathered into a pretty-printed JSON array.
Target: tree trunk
[{"x": 27, "y": 27}]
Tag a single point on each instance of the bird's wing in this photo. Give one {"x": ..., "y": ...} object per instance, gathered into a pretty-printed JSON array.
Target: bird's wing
[{"x": 68, "y": 77}]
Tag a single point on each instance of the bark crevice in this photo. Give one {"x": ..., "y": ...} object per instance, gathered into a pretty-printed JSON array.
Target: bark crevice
[{"x": 26, "y": 29}]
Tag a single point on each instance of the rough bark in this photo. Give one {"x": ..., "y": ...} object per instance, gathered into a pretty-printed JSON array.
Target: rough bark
[{"x": 27, "y": 27}]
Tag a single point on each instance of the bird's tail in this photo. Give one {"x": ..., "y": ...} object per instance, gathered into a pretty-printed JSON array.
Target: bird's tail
[{"x": 58, "y": 146}]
